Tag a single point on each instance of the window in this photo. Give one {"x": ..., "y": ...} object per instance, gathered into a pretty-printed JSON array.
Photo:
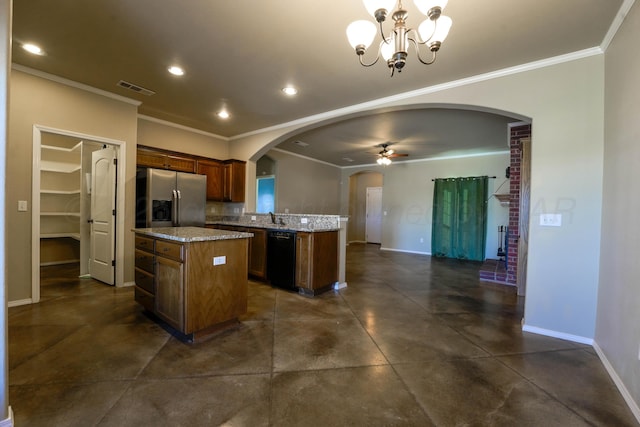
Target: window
[{"x": 265, "y": 194}]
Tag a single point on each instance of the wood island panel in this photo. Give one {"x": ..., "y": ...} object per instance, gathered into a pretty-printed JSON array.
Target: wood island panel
[{"x": 216, "y": 293}]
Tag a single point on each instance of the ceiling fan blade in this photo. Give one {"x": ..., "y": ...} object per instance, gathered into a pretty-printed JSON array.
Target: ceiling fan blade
[{"x": 397, "y": 155}]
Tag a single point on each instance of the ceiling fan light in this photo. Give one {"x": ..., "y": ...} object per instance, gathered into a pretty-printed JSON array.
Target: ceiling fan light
[
  {"x": 424, "y": 6},
  {"x": 361, "y": 33}
]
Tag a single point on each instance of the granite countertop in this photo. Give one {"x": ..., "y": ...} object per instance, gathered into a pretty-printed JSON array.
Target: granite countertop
[
  {"x": 191, "y": 234},
  {"x": 310, "y": 228}
]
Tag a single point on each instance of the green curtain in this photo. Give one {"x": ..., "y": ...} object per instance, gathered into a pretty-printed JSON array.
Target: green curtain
[{"x": 459, "y": 228}]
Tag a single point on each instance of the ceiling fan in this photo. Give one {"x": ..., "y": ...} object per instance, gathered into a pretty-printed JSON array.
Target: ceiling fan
[{"x": 385, "y": 156}]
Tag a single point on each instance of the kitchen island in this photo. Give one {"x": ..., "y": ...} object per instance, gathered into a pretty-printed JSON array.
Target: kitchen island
[
  {"x": 318, "y": 259},
  {"x": 192, "y": 278}
]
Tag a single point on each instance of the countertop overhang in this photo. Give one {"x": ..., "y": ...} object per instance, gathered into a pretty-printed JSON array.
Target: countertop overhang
[
  {"x": 279, "y": 227},
  {"x": 191, "y": 234}
]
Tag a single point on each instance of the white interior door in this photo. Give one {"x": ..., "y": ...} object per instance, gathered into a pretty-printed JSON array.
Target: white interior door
[
  {"x": 103, "y": 204},
  {"x": 373, "y": 225}
]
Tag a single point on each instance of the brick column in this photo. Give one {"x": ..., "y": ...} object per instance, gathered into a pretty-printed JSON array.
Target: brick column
[{"x": 517, "y": 133}]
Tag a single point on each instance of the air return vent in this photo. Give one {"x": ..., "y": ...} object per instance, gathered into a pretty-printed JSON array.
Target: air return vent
[{"x": 135, "y": 88}]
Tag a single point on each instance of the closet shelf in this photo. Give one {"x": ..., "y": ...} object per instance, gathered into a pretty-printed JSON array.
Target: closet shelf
[
  {"x": 75, "y": 236},
  {"x": 60, "y": 214}
]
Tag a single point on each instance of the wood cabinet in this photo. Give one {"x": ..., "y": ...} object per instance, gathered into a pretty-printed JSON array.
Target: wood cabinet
[
  {"x": 194, "y": 287},
  {"x": 234, "y": 180},
  {"x": 316, "y": 261},
  {"x": 163, "y": 159},
  {"x": 225, "y": 179},
  {"x": 257, "y": 250},
  {"x": 214, "y": 170}
]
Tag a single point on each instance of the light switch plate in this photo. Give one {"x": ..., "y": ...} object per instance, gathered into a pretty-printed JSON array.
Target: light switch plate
[
  {"x": 253, "y": 217},
  {"x": 551, "y": 220},
  {"x": 22, "y": 205},
  {"x": 219, "y": 260}
]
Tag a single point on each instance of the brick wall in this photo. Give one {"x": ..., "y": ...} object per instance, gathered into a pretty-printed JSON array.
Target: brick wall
[{"x": 517, "y": 133}]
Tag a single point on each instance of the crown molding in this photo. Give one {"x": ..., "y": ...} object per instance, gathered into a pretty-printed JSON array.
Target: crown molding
[
  {"x": 356, "y": 108},
  {"x": 181, "y": 127},
  {"x": 616, "y": 24},
  {"x": 74, "y": 84}
]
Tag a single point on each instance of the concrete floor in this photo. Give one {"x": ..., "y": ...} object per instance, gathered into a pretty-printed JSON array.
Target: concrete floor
[{"x": 411, "y": 341}]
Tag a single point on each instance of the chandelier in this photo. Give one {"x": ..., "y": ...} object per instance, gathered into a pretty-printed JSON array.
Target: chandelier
[{"x": 393, "y": 47}]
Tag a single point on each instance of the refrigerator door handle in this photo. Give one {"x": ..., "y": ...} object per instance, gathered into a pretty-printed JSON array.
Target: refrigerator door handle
[
  {"x": 174, "y": 213},
  {"x": 178, "y": 208}
]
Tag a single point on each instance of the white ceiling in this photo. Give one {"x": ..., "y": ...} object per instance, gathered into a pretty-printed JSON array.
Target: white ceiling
[{"x": 239, "y": 54}]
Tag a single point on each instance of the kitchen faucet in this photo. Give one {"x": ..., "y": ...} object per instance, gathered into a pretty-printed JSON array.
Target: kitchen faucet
[{"x": 273, "y": 218}]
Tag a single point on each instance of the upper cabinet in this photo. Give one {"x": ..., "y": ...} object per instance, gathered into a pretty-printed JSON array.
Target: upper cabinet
[
  {"x": 234, "y": 181},
  {"x": 154, "y": 158},
  {"x": 214, "y": 170},
  {"x": 225, "y": 179}
]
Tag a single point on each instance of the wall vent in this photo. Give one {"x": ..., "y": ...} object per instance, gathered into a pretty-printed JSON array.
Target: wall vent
[
  {"x": 135, "y": 88},
  {"x": 301, "y": 143}
]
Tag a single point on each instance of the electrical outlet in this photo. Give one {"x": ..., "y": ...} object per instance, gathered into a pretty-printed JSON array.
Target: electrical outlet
[
  {"x": 551, "y": 220},
  {"x": 219, "y": 260},
  {"x": 22, "y": 205},
  {"x": 253, "y": 217},
  {"x": 303, "y": 220}
]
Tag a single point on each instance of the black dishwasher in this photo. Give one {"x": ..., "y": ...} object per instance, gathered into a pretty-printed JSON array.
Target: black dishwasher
[{"x": 281, "y": 258}]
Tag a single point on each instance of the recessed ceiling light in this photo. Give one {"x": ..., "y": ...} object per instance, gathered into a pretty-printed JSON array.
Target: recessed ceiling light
[
  {"x": 290, "y": 90},
  {"x": 176, "y": 71},
  {"x": 32, "y": 48},
  {"x": 223, "y": 114}
]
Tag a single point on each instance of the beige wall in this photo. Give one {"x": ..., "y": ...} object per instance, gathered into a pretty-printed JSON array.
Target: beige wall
[
  {"x": 407, "y": 197},
  {"x": 303, "y": 186},
  {"x": 159, "y": 135},
  {"x": 35, "y": 100},
  {"x": 617, "y": 330}
]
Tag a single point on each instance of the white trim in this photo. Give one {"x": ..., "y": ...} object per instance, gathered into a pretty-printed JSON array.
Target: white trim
[
  {"x": 68, "y": 261},
  {"x": 556, "y": 334},
  {"x": 585, "y": 53},
  {"x": 126, "y": 285},
  {"x": 8, "y": 422},
  {"x": 20, "y": 302},
  {"x": 618, "y": 382},
  {"x": 616, "y": 24},
  {"x": 74, "y": 84},
  {"x": 182, "y": 127},
  {"x": 35, "y": 202},
  {"x": 461, "y": 156},
  {"x": 517, "y": 124},
  {"x": 304, "y": 157},
  {"x": 404, "y": 251}
]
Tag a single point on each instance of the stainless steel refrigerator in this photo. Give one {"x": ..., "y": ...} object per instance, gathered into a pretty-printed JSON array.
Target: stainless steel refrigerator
[{"x": 170, "y": 199}]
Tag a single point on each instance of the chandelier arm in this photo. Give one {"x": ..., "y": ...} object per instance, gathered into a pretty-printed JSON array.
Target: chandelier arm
[
  {"x": 416, "y": 45},
  {"x": 365, "y": 64}
]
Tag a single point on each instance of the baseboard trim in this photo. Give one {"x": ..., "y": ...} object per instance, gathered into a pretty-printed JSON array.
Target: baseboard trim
[
  {"x": 126, "y": 285},
  {"x": 8, "y": 422},
  {"x": 404, "y": 251},
  {"x": 556, "y": 334},
  {"x": 618, "y": 382},
  {"x": 19, "y": 302}
]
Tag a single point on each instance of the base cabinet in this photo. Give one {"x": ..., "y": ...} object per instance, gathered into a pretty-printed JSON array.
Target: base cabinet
[
  {"x": 257, "y": 262},
  {"x": 194, "y": 286},
  {"x": 316, "y": 261}
]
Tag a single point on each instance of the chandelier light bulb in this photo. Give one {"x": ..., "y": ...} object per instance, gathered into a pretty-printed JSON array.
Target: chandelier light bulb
[
  {"x": 443, "y": 25},
  {"x": 374, "y": 6},
  {"x": 424, "y": 6},
  {"x": 361, "y": 33},
  {"x": 388, "y": 48}
]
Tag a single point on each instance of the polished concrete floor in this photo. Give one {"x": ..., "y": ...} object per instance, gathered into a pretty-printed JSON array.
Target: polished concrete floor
[{"x": 411, "y": 341}]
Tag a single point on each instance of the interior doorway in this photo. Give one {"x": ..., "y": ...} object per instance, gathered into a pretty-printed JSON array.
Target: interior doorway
[
  {"x": 61, "y": 202},
  {"x": 358, "y": 184},
  {"x": 373, "y": 227}
]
